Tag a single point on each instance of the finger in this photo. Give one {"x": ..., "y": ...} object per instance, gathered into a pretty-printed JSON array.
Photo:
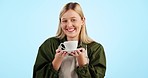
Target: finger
[
  {"x": 79, "y": 53},
  {"x": 60, "y": 54},
  {"x": 81, "y": 49},
  {"x": 58, "y": 50},
  {"x": 72, "y": 53},
  {"x": 63, "y": 53},
  {"x": 76, "y": 53}
]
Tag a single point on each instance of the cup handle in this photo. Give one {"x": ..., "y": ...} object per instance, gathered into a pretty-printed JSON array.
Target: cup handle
[{"x": 62, "y": 46}]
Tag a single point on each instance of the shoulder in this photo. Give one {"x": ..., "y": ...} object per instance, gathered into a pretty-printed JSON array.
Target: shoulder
[
  {"x": 94, "y": 45},
  {"x": 50, "y": 41}
]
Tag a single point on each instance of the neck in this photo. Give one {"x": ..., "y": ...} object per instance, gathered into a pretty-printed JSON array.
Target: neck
[{"x": 72, "y": 39}]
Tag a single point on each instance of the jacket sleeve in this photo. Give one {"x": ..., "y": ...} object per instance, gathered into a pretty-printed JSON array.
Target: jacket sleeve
[
  {"x": 97, "y": 63},
  {"x": 43, "y": 66}
]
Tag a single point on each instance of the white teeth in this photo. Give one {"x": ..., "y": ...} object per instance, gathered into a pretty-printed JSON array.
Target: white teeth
[{"x": 70, "y": 30}]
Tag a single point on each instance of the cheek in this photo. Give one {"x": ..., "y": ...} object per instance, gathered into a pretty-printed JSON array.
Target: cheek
[
  {"x": 62, "y": 26},
  {"x": 79, "y": 23},
  {"x": 79, "y": 28}
]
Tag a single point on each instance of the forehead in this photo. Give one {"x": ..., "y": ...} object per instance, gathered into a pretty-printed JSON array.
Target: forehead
[{"x": 70, "y": 14}]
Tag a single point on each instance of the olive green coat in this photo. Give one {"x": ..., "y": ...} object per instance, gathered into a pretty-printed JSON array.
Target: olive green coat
[{"x": 43, "y": 66}]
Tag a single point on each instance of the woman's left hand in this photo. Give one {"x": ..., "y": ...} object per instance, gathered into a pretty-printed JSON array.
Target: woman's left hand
[{"x": 80, "y": 54}]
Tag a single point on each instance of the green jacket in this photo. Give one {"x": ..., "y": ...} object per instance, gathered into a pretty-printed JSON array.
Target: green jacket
[{"x": 43, "y": 66}]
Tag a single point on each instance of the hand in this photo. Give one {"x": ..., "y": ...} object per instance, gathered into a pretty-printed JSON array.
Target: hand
[
  {"x": 60, "y": 54},
  {"x": 80, "y": 54}
]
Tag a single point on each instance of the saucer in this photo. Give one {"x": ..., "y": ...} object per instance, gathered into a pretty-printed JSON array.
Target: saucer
[{"x": 69, "y": 50}]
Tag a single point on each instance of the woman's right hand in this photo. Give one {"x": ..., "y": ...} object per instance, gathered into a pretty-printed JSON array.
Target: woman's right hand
[{"x": 59, "y": 56}]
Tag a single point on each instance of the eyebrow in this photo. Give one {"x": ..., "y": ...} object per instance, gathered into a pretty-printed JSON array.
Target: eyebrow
[{"x": 70, "y": 17}]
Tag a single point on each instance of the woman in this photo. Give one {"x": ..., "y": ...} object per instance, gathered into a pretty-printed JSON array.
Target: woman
[{"x": 88, "y": 61}]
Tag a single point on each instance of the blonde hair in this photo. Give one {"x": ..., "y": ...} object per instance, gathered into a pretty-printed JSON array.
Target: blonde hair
[{"x": 83, "y": 33}]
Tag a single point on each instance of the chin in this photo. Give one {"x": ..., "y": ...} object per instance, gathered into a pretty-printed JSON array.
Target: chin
[{"x": 71, "y": 36}]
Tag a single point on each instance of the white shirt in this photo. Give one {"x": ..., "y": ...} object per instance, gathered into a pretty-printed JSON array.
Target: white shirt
[{"x": 68, "y": 66}]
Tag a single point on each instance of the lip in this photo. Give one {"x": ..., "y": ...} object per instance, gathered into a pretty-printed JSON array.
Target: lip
[{"x": 70, "y": 29}]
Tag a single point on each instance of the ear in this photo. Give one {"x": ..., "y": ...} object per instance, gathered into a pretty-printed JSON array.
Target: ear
[{"x": 83, "y": 20}]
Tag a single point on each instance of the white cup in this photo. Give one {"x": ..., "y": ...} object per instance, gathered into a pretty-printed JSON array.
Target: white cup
[{"x": 69, "y": 45}]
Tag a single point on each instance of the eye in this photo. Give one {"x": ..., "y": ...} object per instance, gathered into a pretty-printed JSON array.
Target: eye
[
  {"x": 64, "y": 21},
  {"x": 73, "y": 20}
]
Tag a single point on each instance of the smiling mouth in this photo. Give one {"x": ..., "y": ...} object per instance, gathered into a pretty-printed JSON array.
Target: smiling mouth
[{"x": 71, "y": 29}]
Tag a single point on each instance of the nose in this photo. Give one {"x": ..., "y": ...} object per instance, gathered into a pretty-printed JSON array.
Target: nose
[{"x": 69, "y": 23}]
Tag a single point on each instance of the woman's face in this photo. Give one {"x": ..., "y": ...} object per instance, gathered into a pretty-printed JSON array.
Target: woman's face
[{"x": 71, "y": 24}]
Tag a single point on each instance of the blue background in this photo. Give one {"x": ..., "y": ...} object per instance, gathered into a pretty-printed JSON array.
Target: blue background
[{"x": 121, "y": 26}]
